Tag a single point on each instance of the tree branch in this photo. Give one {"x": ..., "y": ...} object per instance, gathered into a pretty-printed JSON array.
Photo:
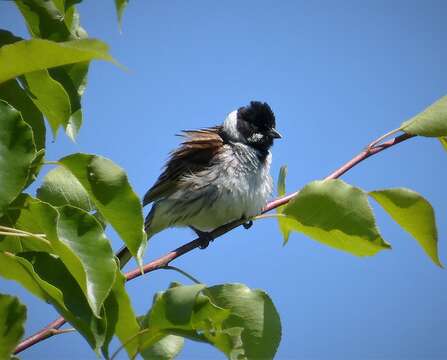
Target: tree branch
[{"x": 163, "y": 261}]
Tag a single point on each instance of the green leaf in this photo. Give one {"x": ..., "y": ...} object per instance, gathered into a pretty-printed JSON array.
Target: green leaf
[
  {"x": 56, "y": 20},
  {"x": 109, "y": 188},
  {"x": 35, "y": 167},
  {"x": 282, "y": 180},
  {"x": 182, "y": 310},
  {"x": 12, "y": 243},
  {"x": 84, "y": 235},
  {"x": 59, "y": 22},
  {"x": 254, "y": 312},
  {"x": 174, "y": 308},
  {"x": 414, "y": 214},
  {"x": 431, "y": 122},
  {"x": 443, "y": 141},
  {"x": 50, "y": 97},
  {"x": 73, "y": 78},
  {"x": 336, "y": 214},
  {"x": 120, "y": 5},
  {"x": 27, "y": 56},
  {"x": 241, "y": 322},
  {"x": 60, "y": 187},
  {"x": 121, "y": 316},
  {"x": 283, "y": 224},
  {"x": 45, "y": 19},
  {"x": 15, "y": 96},
  {"x": 17, "y": 151},
  {"x": 20, "y": 216},
  {"x": 12, "y": 320},
  {"x": 165, "y": 349},
  {"x": 46, "y": 277},
  {"x": 79, "y": 240}
]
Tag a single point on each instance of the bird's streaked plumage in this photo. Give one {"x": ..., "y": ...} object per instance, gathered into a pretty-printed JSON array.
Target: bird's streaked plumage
[{"x": 217, "y": 175}]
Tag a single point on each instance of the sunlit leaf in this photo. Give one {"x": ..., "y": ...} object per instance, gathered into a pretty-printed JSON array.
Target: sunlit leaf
[
  {"x": 59, "y": 22},
  {"x": 414, "y": 214},
  {"x": 15, "y": 96},
  {"x": 120, "y": 5},
  {"x": 55, "y": 20},
  {"x": 83, "y": 234},
  {"x": 109, "y": 188},
  {"x": 443, "y": 141},
  {"x": 20, "y": 216},
  {"x": 44, "y": 19},
  {"x": 17, "y": 152},
  {"x": 73, "y": 78},
  {"x": 241, "y": 322},
  {"x": 121, "y": 316},
  {"x": 254, "y": 312},
  {"x": 430, "y": 122},
  {"x": 50, "y": 97},
  {"x": 60, "y": 187},
  {"x": 336, "y": 214},
  {"x": 174, "y": 308},
  {"x": 46, "y": 277},
  {"x": 12, "y": 320},
  {"x": 182, "y": 310},
  {"x": 78, "y": 239},
  {"x": 27, "y": 56},
  {"x": 165, "y": 349},
  {"x": 283, "y": 224}
]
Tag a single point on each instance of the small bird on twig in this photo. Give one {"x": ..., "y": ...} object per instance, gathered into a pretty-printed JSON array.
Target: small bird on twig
[{"x": 217, "y": 175}]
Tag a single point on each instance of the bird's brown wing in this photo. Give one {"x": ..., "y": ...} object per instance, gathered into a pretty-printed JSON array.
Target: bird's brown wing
[{"x": 194, "y": 154}]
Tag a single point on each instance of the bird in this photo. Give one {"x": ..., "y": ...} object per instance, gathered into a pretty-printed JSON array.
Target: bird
[{"x": 217, "y": 175}]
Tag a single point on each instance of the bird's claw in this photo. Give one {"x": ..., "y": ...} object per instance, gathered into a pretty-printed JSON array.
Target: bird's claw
[
  {"x": 204, "y": 237},
  {"x": 247, "y": 225}
]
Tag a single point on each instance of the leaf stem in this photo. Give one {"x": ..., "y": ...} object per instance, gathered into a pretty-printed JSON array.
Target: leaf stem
[
  {"x": 49, "y": 162},
  {"x": 383, "y": 137},
  {"x": 268, "y": 216},
  {"x": 127, "y": 342},
  {"x": 184, "y": 273},
  {"x": 4, "y": 230}
]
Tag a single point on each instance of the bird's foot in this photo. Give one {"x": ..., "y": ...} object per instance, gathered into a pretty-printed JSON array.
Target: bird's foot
[
  {"x": 247, "y": 225},
  {"x": 205, "y": 237}
]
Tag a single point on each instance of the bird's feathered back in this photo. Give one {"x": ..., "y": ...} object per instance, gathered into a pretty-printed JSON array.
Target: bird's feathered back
[{"x": 194, "y": 154}]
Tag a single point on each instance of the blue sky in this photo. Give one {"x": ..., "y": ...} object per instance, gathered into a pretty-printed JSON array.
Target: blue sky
[{"x": 337, "y": 75}]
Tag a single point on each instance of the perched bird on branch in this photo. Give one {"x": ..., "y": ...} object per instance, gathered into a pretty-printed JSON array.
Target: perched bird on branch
[{"x": 217, "y": 175}]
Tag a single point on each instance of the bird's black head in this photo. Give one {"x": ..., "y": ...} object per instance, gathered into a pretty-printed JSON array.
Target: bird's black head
[{"x": 256, "y": 123}]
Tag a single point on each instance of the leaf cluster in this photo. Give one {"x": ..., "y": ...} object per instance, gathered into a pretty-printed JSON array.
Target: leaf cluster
[{"x": 54, "y": 243}]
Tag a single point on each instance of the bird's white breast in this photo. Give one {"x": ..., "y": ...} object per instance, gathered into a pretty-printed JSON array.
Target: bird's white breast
[{"x": 243, "y": 185}]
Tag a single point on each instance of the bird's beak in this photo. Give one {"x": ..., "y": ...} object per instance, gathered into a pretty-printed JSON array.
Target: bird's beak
[{"x": 275, "y": 134}]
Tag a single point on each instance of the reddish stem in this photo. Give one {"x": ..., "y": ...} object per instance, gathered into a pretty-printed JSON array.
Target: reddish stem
[
  {"x": 166, "y": 259},
  {"x": 43, "y": 334}
]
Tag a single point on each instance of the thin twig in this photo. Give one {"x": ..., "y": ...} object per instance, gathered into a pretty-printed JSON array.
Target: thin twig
[
  {"x": 40, "y": 335},
  {"x": 184, "y": 273},
  {"x": 166, "y": 259},
  {"x": 383, "y": 137}
]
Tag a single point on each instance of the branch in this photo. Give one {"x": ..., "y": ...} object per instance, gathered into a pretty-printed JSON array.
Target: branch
[{"x": 163, "y": 261}]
